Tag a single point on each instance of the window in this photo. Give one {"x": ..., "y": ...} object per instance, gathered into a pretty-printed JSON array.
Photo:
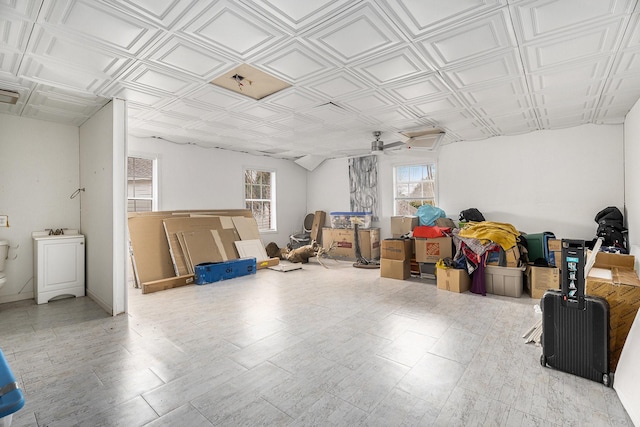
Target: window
[
  {"x": 140, "y": 184},
  {"x": 414, "y": 186},
  {"x": 260, "y": 197}
]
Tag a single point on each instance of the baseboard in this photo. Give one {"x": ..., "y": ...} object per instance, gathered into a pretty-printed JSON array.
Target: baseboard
[{"x": 105, "y": 306}]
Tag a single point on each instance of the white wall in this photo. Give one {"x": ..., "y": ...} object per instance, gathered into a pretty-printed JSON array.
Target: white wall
[
  {"x": 103, "y": 159},
  {"x": 541, "y": 181},
  {"x": 38, "y": 174},
  {"x": 632, "y": 179},
  {"x": 192, "y": 177}
]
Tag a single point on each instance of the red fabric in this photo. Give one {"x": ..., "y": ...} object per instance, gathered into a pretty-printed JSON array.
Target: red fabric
[{"x": 428, "y": 231}]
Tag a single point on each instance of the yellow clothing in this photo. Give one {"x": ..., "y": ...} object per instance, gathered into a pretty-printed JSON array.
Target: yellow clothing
[{"x": 499, "y": 232}]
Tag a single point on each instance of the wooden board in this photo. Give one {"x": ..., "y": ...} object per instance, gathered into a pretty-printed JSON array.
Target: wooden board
[
  {"x": 162, "y": 284},
  {"x": 247, "y": 228},
  {"x": 149, "y": 245},
  {"x": 185, "y": 252},
  {"x": 251, "y": 249},
  {"x": 173, "y": 226},
  {"x": 201, "y": 247}
]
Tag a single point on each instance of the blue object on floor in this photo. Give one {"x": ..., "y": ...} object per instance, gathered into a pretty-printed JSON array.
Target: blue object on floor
[
  {"x": 11, "y": 397},
  {"x": 209, "y": 272}
]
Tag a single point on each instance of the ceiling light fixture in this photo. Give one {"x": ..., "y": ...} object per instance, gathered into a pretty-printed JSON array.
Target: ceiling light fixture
[{"x": 8, "y": 97}]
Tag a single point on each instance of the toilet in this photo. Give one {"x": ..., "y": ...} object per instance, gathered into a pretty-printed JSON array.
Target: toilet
[{"x": 4, "y": 251}]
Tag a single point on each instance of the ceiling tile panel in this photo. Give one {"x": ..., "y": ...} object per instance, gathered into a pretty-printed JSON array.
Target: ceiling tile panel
[
  {"x": 217, "y": 97},
  {"x": 158, "y": 79},
  {"x": 294, "y": 63},
  {"x": 491, "y": 68},
  {"x": 418, "y": 18},
  {"x": 186, "y": 57},
  {"x": 69, "y": 102},
  {"x": 597, "y": 40},
  {"x": 497, "y": 92},
  {"x": 293, "y": 100},
  {"x": 369, "y": 101},
  {"x": 187, "y": 109},
  {"x": 632, "y": 36},
  {"x": 22, "y": 87},
  {"x": 164, "y": 13},
  {"x": 537, "y": 19},
  {"x": 431, "y": 107},
  {"x": 397, "y": 65},
  {"x": 337, "y": 84},
  {"x": 487, "y": 35},
  {"x": 14, "y": 32},
  {"x": 9, "y": 61},
  {"x": 298, "y": 15},
  {"x": 97, "y": 22},
  {"x": 564, "y": 117},
  {"x": 421, "y": 86},
  {"x": 575, "y": 74},
  {"x": 522, "y": 121},
  {"x": 360, "y": 33},
  {"x": 627, "y": 63},
  {"x": 137, "y": 95},
  {"x": 64, "y": 50},
  {"x": 230, "y": 28},
  {"x": 262, "y": 112},
  {"x": 56, "y": 74}
]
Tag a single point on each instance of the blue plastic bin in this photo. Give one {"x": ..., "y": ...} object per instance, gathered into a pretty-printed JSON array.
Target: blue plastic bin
[
  {"x": 11, "y": 397},
  {"x": 209, "y": 272}
]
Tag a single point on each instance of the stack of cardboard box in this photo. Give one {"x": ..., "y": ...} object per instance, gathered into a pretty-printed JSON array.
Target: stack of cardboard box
[
  {"x": 429, "y": 251},
  {"x": 395, "y": 258}
]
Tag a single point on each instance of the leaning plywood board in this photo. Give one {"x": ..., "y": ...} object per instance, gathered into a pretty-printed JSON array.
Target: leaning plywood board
[
  {"x": 247, "y": 228},
  {"x": 162, "y": 284},
  {"x": 251, "y": 249},
  {"x": 149, "y": 245},
  {"x": 201, "y": 247},
  {"x": 173, "y": 226},
  {"x": 185, "y": 251},
  {"x": 229, "y": 236}
]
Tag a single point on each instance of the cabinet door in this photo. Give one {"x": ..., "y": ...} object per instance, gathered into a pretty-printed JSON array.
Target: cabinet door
[{"x": 61, "y": 264}]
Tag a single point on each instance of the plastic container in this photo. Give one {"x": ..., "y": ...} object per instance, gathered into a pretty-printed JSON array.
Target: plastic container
[
  {"x": 12, "y": 400},
  {"x": 505, "y": 281},
  {"x": 346, "y": 219},
  {"x": 210, "y": 272}
]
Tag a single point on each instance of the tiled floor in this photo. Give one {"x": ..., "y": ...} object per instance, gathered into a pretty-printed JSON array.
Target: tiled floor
[{"x": 314, "y": 347}]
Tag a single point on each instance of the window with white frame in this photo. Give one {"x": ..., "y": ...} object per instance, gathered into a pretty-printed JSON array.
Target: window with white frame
[
  {"x": 141, "y": 184},
  {"x": 260, "y": 197},
  {"x": 414, "y": 186}
]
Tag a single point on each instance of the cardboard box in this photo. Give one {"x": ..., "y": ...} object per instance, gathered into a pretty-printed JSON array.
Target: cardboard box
[
  {"x": 555, "y": 252},
  {"x": 539, "y": 279},
  {"x": 432, "y": 250},
  {"x": 398, "y": 249},
  {"x": 395, "y": 269},
  {"x": 452, "y": 279},
  {"x": 505, "y": 281},
  {"x": 341, "y": 243},
  {"x": 401, "y": 225},
  {"x": 319, "y": 218},
  {"x": 622, "y": 291}
]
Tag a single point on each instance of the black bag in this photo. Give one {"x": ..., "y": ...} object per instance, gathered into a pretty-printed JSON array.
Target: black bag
[
  {"x": 471, "y": 214},
  {"x": 610, "y": 216}
]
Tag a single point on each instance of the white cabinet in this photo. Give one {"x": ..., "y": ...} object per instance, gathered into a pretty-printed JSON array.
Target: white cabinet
[{"x": 58, "y": 266}]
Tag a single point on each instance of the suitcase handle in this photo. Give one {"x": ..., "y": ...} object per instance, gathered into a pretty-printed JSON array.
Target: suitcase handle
[{"x": 572, "y": 266}]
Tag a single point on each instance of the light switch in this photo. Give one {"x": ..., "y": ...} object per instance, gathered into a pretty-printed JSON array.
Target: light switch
[{"x": 4, "y": 220}]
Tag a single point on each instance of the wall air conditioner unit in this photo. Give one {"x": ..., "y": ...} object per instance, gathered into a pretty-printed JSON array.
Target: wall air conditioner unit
[{"x": 425, "y": 139}]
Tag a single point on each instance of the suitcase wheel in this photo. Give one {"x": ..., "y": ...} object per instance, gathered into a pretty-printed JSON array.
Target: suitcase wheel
[
  {"x": 607, "y": 379},
  {"x": 543, "y": 361}
]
